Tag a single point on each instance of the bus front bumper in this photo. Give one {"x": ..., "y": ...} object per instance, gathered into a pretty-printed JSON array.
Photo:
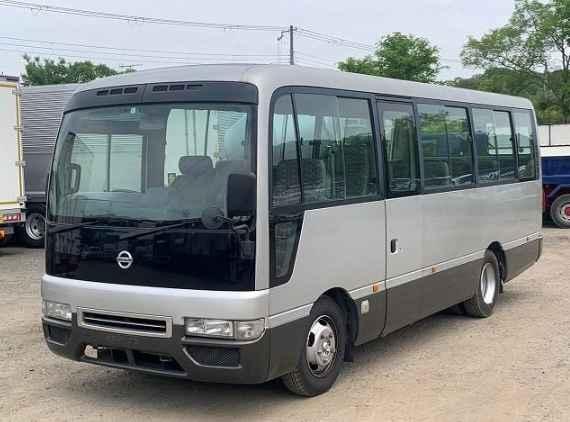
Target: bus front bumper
[{"x": 200, "y": 359}]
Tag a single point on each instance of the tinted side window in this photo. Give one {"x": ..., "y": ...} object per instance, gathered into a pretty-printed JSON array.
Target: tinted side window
[
  {"x": 505, "y": 147},
  {"x": 460, "y": 146},
  {"x": 321, "y": 151},
  {"x": 358, "y": 147},
  {"x": 337, "y": 151},
  {"x": 399, "y": 136},
  {"x": 446, "y": 146},
  {"x": 285, "y": 165},
  {"x": 486, "y": 145},
  {"x": 526, "y": 143},
  {"x": 494, "y": 140}
]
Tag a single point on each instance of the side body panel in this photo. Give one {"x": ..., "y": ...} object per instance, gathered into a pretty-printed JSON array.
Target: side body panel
[
  {"x": 11, "y": 174},
  {"x": 404, "y": 222},
  {"x": 340, "y": 246}
]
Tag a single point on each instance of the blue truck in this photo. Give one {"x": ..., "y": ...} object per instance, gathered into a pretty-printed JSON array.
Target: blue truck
[{"x": 555, "y": 152}]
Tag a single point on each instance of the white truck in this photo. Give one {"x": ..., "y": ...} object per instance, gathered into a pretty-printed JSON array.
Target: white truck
[{"x": 12, "y": 199}]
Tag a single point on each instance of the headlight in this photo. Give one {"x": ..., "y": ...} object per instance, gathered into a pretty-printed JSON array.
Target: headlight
[
  {"x": 56, "y": 310},
  {"x": 209, "y": 327},
  {"x": 239, "y": 330}
]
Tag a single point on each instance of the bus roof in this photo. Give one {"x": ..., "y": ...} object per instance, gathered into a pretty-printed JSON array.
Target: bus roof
[{"x": 268, "y": 77}]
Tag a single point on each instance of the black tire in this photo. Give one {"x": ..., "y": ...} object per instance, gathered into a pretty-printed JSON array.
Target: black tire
[
  {"x": 482, "y": 303},
  {"x": 30, "y": 234},
  {"x": 303, "y": 380},
  {"x": 558, "y": 211}
]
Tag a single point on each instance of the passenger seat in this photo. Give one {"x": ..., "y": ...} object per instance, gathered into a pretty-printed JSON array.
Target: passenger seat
[{"x": 190, "y": 190}]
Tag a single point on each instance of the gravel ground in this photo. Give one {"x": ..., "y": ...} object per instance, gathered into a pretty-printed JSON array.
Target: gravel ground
[{"x": 512, "y": 366}]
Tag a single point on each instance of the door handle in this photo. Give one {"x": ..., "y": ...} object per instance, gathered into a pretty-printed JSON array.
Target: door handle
[{"x": 394, "y": 246}]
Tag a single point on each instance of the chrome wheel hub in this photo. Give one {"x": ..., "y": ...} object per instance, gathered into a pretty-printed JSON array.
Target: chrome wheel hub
[
  {"x": 565, "y": 212},
  {"x": 321, "y": 346},
  {"x": 35, "y": 226},
  {"x": 488, "y": 283}
]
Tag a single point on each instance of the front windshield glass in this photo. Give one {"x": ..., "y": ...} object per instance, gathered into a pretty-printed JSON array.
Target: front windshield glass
[{"x": 158, "y": 162}]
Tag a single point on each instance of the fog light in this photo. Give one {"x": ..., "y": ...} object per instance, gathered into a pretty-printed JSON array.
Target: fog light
[
  {"x": 209, "y": 327},
  {"x": 56, "y": 310},
  {"x": 250, "y": 330}
]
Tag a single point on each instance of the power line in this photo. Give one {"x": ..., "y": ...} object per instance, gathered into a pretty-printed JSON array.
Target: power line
[
  {"x": 136, "y": 19},
  {"x": 331, "y": 39},
  {"x": 53, "y": 45},
  {"x": 307, "y": 33},
  {"x": 303, "y": 32},
  {"x": 85, "y": 57},
  {"x": 117, "y": 59}
]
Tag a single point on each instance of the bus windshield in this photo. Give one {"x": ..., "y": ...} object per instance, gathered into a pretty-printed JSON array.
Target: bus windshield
[{"x": 157, "y": 162}]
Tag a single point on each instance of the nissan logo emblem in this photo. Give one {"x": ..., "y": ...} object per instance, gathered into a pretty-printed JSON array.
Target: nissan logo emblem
[{"x": 124, "y": 260}]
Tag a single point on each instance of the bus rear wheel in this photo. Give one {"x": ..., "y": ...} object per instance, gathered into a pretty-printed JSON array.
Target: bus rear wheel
[
  {"x": 482, "y": 303},
  {"x": 323, "y": 352},
  {"x": 560, "y": 211}
]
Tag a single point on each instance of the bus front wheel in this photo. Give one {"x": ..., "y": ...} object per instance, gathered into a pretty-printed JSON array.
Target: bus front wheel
[{"x": 323, "y": 352}]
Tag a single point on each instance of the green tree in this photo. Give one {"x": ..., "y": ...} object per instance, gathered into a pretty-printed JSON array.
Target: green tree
[
  {"x": 398, "y": 56},
  {"x": 49, "y": 71},
  {"x": 535, "y": 45}
]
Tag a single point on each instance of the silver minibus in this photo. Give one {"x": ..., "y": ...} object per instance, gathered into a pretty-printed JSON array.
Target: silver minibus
[{"x": 240, "y": 223}]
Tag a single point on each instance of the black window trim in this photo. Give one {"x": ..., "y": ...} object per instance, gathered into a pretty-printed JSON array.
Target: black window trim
[
  {"x": 533, "y": 146},
  {"x": 333, "y": 92},
  {"x": 501, "y": 181},
  {"x": 384, "y": 158},
  {"x": 475, "y": 179},
  {"x": 374, "y": 98}
]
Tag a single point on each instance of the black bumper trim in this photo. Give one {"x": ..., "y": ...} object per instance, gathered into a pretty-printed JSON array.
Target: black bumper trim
[{"x": 276, "y": 353}]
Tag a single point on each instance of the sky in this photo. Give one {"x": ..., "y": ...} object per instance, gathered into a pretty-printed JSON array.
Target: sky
[{"x": 445, "y": 23}]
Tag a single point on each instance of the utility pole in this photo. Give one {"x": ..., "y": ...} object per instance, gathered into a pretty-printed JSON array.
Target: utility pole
[{"x": 291, "y": 49}]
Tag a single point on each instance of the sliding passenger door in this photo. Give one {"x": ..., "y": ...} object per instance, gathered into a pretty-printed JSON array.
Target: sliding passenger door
[{"x": 403, "y": 213}]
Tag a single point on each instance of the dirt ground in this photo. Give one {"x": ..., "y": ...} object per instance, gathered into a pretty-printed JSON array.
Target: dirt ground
[{"x": 512, "y": 366}]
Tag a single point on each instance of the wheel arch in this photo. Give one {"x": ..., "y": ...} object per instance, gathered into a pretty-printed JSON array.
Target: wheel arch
[
  {"x": 347, "y": 304},
  {"x": 497, "y": 248}
]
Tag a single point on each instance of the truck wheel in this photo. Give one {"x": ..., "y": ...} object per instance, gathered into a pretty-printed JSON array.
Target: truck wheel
[
  {"x": 323, "y": 352},
  {"x": 34, "y": 229},
  {"x": 482, "y": 303},
  {"x": 560, "y": 211}
]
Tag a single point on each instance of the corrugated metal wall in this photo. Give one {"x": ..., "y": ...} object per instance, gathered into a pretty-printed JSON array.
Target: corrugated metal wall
[{"x": 42, "y": 108}]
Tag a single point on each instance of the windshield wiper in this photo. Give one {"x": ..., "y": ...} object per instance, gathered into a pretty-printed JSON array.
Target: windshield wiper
[
  {"x": 66, "y": 228},
  {"x": 153, "y": 230},
  {"x": 98, "y": 219}
]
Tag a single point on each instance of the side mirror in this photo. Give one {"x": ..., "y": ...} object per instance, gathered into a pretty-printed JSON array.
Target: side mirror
[
  {"x": 240, "y": 195},
  {"x": 74, "y": 177}
]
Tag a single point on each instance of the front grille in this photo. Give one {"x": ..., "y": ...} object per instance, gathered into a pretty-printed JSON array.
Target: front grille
[
  {"x": 145, "y": 325},
  {"x": 214, "y": 356}
]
